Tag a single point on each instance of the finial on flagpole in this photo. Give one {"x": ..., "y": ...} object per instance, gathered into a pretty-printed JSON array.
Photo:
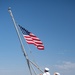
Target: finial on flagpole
[{"x": 9, "y": 8}]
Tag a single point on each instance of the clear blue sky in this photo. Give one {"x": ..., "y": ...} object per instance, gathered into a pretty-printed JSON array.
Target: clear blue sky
[{"x": 53, "y": 21}]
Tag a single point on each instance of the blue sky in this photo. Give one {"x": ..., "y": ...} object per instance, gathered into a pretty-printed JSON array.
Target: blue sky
[{"x": 50, "y": 20}]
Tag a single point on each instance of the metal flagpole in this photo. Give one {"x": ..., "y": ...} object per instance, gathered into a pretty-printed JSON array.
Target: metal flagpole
[{"x": 22, "y": 46}]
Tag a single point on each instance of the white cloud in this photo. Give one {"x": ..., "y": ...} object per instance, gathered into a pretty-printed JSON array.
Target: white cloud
[
  {"x": 65, "y": 68},
  {"x": 66, "y": 65}
]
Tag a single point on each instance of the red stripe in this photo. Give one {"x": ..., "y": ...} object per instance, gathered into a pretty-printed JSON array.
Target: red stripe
[{"x": 41, "y": 47}]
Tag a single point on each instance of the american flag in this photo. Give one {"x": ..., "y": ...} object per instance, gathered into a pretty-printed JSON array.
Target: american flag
[{"x": 32, "y": 39}]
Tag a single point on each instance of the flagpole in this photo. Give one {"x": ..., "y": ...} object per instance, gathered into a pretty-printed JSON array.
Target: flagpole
[{"x": 22, "y": 46}]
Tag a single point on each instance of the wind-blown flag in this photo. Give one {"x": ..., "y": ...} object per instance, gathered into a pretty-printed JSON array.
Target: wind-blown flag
[{"x": 31, "y": 38}]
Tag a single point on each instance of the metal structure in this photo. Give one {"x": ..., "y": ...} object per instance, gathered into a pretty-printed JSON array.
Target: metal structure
[{"x": 22, "y": 46}]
